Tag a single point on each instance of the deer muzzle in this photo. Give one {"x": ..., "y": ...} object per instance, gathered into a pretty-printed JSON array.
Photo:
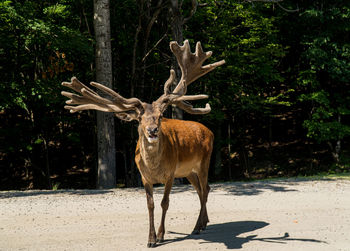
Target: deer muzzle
[{"x": 152, "y": 134}]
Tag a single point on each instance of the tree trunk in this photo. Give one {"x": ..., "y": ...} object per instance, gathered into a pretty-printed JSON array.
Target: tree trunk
[
  {"x": 106, "y": 173},
  {"x": 337, "y": 147},
  {"x": 177, "y": 33}
]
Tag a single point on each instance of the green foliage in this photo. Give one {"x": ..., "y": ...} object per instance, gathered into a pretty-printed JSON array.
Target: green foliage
[
  {"x": 41, "y": 45},
  {"x": 247, "y": 38},
  {"x": 37, "y": 51},
  {"x": 326, "y": 71}
]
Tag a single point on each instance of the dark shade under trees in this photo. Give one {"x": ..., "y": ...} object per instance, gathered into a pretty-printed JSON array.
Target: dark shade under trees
[{"x": 280, "y": 104}]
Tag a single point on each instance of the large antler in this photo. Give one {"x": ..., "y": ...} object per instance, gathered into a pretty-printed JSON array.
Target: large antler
[
  {"x": 122, "y": 107},
  {"x": 191, "y": 69}
]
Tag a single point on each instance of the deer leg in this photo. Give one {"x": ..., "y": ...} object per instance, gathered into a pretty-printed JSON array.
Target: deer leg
[
  {"x": 205, "y": 214},
  {"x": 203, "y": 180},
  {"x": 150, "y": 205},
  {"x": 203, "y": 194},
  {"x": 165, "y": 206}
]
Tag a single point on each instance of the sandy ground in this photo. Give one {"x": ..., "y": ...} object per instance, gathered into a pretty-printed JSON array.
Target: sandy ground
[{"x": 274, "y": 215}]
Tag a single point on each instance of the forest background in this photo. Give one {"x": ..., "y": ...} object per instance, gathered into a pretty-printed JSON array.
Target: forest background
[{"x": 280, "y": 104}]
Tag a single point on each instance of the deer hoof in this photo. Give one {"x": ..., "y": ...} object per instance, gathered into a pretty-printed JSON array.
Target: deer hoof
[
  {"x": 151, "y": 244},
  {"x": 160, "y": 240}
]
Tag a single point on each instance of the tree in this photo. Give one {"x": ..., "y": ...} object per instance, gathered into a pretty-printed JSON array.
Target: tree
[
  {"x": 41, "y": 45},
  {"x": 325, "y": 72},
  {"x": 106, "y": 175},
  {"x": 177, "y": 23}
]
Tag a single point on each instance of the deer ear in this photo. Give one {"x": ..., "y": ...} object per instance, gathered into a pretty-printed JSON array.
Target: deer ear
[
  {"x": 131, "y": 114},
  {"x": 163, "y": 103},
  {"x": 128, "y": 116}
]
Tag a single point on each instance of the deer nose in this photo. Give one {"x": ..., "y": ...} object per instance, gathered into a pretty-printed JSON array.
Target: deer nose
[{"x": 152, "y": 130}]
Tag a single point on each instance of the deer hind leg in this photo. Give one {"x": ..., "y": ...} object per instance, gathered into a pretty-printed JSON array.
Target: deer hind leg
[
  {"x": 201, "y": 185},
  {"x": 150, "y": 205},
  {"x": 203, "y": 181},
  {"x": 165, "y": 206}
]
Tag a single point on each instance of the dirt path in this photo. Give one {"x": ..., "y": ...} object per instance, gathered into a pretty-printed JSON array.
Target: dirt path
[{"x": 274, "y": 215}]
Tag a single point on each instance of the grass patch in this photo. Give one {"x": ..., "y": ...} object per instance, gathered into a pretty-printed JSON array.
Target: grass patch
[
  {"x": 321, "y": 176},
  {"x": 345, "y": 176}
]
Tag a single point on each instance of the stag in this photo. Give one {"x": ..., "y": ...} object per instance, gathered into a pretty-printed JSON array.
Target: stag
[{"x": 166, "y": 148}]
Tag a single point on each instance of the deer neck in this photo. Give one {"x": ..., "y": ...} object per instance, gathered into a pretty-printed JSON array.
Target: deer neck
[{"x": 151, "y": 152}]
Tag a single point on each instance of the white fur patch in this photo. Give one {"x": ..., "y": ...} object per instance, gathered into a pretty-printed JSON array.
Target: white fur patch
[{"x": 152, "y": 140}]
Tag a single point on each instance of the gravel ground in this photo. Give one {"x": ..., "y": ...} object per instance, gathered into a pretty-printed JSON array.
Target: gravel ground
[{"x": 266, "y": 215}]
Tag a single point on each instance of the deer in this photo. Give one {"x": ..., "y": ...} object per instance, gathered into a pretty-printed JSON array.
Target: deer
[{"x": 166, "y": 148}]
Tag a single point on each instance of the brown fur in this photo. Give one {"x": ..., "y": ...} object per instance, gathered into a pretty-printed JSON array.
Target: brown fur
[{"x": 183, "y": 149}]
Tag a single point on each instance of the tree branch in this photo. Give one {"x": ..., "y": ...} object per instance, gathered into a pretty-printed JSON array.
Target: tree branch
[
  {"x": 154, "y": 18},
  {"x": 287, "y": 10},
  {"x": 274, "y": 1},
  {"x": 193, "y": 10},
  {"x": 158, "y": 42}
]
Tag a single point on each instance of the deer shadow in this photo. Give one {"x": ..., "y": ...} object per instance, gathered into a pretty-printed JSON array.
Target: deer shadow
[{"x": 227, "y": 233}]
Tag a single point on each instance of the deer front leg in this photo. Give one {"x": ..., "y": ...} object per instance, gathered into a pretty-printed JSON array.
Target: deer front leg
[
  {"x": 165, "y": 206},
  {"x": 150, "y": 204}
]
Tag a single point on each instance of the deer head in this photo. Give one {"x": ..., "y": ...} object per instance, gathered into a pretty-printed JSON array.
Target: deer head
[{"x": 148, "y": 115}]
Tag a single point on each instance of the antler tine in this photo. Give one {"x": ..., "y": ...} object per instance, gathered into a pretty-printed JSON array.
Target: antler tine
[
  {"x": 191, "y": 97},
  {"x": 74, "y": 109},
  {"x": 191, "y": 65},
  {"x": 187, "y": 107},
  {"x": 169, "y": 82},
  {"x": 88, "y": 101},
  {"x": 76, "y": 85},
  {"x": 116, "y": 96},
  {"x": 92, "y": 100},
  {"x": 201, "y": 54},
  {"x": 74, "y": 98}
]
